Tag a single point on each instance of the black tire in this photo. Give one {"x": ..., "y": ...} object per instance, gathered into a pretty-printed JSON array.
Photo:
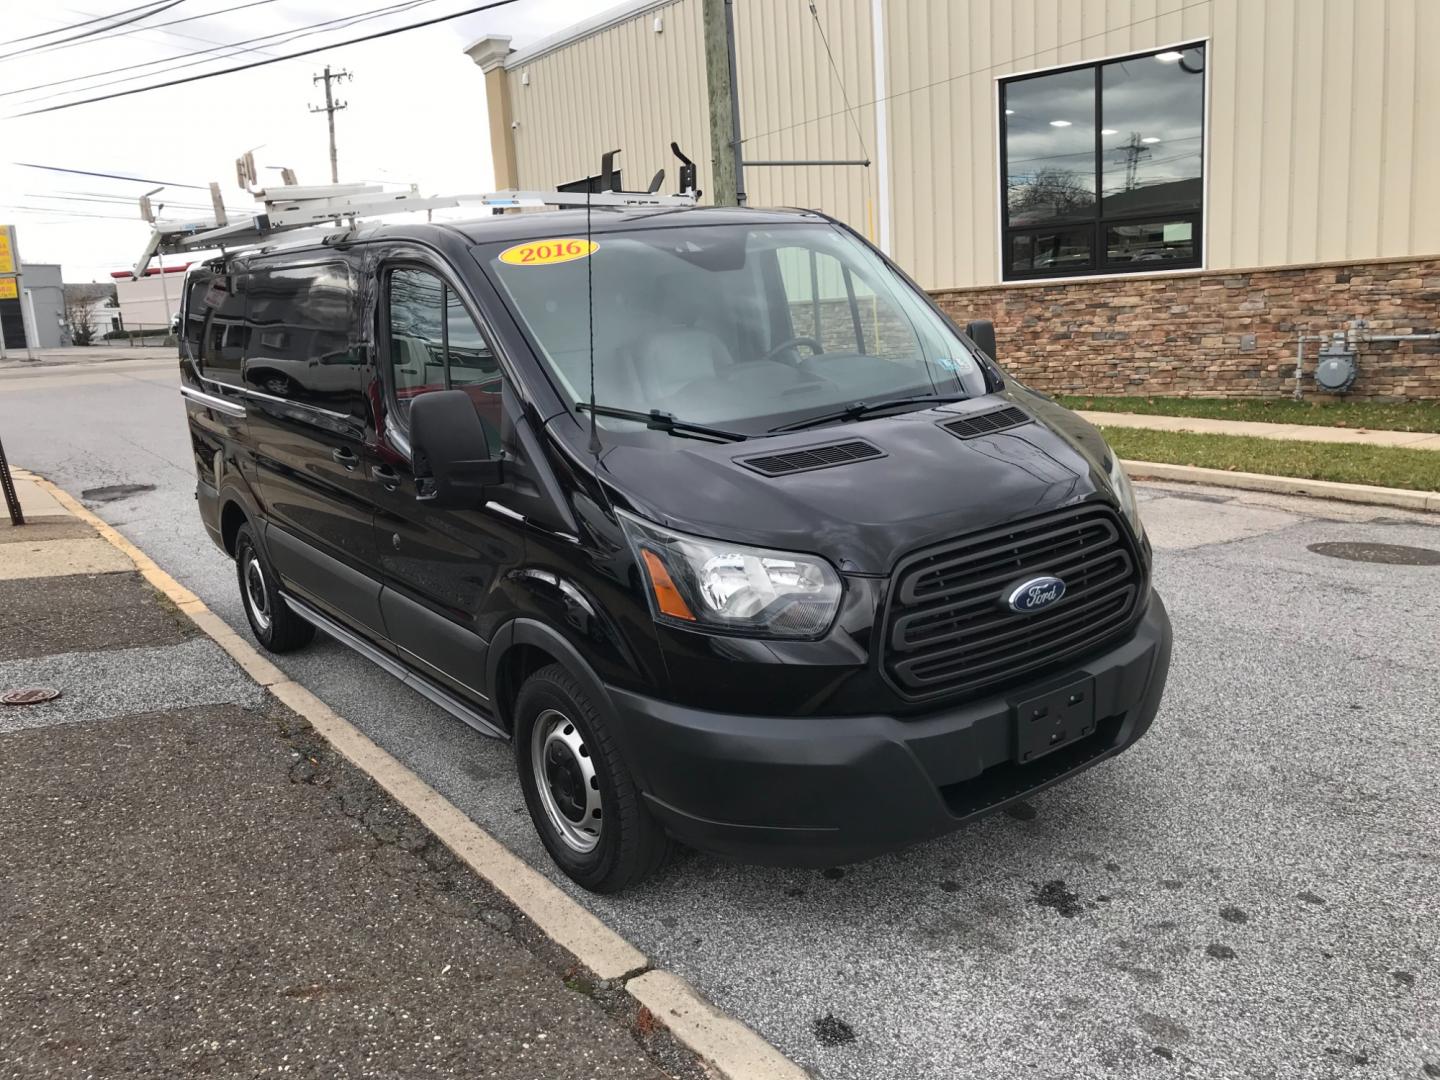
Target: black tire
[
  {"x": 630, "y": 844},
  {"x": 274, "y": 625}
]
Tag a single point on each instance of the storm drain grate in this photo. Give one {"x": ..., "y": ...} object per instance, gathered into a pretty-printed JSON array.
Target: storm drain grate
[{"x": 1389, "y": 554}]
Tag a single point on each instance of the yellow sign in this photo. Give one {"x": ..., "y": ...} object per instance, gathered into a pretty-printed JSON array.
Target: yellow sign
[
  {"x": 8, "y": 289},
  {"x": 7, "y": 250},
  {"x": 548, "y": 252}
]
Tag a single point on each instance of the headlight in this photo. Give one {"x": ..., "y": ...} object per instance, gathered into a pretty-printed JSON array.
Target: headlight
[
  {"x": 746, "y": 590},
  {"x": 1125, "y": 493}
]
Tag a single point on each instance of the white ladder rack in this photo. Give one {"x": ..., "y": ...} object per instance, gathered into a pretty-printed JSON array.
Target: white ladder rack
[{"x": 295, "y": 207}]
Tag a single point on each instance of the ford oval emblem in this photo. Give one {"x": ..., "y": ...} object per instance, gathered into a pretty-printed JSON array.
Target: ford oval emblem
[{"x": 1035, "y": 594}]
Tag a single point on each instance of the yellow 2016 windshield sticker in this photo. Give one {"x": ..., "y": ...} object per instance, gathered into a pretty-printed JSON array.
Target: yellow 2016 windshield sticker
[{"x": 548, "y": 252}]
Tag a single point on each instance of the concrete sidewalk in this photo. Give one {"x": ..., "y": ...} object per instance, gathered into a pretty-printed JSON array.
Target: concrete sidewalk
[
  {"x": 1199, "y": 425},
  {"x": 196, "y": 883},
  {"x": 88, "y": 354}
]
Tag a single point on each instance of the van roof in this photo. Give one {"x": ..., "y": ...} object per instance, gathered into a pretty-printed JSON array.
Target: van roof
[
  {"x": 529, "y": 226},
  {"x": 518, "y": 227}
]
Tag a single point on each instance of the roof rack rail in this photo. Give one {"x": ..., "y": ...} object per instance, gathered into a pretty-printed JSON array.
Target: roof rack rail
[{"x": 294, "y": 207}]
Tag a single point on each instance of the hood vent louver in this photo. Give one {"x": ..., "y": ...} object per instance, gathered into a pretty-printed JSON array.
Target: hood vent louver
[
  {"x": 810, "y": 458},
  {"x": 987, "y": 423}
]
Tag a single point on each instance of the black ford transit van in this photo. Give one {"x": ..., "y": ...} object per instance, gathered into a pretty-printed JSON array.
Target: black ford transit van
[{"x": 710, "y": 512}]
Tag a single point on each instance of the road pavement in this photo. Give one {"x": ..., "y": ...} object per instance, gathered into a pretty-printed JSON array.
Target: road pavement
[{"x": 1249, "y": 892}]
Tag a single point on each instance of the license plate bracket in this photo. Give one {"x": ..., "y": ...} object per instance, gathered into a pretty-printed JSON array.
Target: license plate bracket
[{"x": 1054, "y": 720}]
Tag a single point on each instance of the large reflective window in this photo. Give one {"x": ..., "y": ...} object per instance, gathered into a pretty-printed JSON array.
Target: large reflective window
[
  {"x": 1152, "y": 108},
  {"x": 300, "y": 330},
  {"x": 1104, "y": 166},
  {"x": 1050, "y": 147}
]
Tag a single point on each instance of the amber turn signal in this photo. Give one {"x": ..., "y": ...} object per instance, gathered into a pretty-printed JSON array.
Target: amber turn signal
[{"x": 667, "y": 596}]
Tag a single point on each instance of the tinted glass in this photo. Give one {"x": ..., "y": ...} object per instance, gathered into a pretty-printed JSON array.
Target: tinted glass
[
  {"x": 224, "y": 329},
  {"x": 695, "y": 321},
  {"x": 1152, "y": 117},
  {"x": 1052, "y": 250},
  {"x": 1150, "y": 243},
  {"x": 1050, "y": 147},
  {"x": 302, "y": 337},
  {"x": 417, "y": 343},
  {"x": 435, "y": 345}
]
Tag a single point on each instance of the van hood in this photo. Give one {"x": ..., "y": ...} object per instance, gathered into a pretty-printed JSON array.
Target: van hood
[{"x": 929, "y": 486}]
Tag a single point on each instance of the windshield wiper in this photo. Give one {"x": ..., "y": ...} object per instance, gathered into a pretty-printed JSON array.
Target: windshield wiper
[
  {"x": 860, "y": 409},
  {"x": 656, "y": 420}
]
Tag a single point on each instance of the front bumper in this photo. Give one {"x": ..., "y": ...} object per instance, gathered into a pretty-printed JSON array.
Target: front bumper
[{"x": 815, "y": 791}]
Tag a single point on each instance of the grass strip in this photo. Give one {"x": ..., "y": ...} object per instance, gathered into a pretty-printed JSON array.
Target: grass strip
[
  {"x": 1371, "y": 415},
  {"x": 1385, "y": 466}
]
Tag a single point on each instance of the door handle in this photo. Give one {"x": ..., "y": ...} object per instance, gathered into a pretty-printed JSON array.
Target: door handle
[
  {"x": 347, "y": 458},
  {"x": 388, "y": 477}
]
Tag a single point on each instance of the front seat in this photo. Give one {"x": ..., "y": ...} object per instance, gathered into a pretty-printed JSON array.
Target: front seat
[{"x": 669, "y": 359}]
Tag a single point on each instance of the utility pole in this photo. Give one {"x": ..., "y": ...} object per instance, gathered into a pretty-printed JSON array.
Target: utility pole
[
  {"x": 724, "y": 97},
  {"x": 723, "y": 90},
  {"x": 330, "y": 108}
]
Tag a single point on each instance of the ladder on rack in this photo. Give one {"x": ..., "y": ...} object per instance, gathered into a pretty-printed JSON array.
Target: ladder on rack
[{"x": 294, "y": 207}]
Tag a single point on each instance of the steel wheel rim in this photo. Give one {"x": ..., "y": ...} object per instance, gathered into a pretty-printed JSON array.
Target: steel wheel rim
[
  {"x": 565, "y": 779},
  {"x": 257, "y": 596}
]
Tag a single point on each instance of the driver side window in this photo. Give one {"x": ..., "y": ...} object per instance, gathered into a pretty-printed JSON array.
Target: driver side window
[{"x": 434, "y": 344}]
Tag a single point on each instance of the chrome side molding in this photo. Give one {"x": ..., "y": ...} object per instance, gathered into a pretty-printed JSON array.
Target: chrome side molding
[{"x": 210, "y": 401}]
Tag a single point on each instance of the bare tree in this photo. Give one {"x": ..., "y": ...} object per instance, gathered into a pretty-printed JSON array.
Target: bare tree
[
  {"x": 1050, "y": 193},
  {"x": 82, "y": 305}
]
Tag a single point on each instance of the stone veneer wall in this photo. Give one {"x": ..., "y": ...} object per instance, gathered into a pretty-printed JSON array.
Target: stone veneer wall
[{"x": 1212, "y": 333}]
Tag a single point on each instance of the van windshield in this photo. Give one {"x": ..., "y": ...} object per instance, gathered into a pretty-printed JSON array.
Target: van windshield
[{"x": 738, "y": 326}]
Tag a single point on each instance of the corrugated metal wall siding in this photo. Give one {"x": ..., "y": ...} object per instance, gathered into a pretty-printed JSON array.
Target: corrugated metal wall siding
[
  {"x": 1322, "y": 143},
  {"x": 626, "y": 87},
  {"x": 633, "y": 88},
  {"x": 785, "y": 81}
]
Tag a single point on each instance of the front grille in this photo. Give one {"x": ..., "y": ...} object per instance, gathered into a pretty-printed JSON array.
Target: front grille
[{"x": 949, "y": 629}]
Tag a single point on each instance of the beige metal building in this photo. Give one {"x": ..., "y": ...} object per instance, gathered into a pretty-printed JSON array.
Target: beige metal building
[{"x": 1179, "y": 187}]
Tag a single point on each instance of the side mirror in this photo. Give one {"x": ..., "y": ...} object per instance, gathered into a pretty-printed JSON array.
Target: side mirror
[
  {"x": 450, "y": 448},
  {"x": 982, "y": 333}
]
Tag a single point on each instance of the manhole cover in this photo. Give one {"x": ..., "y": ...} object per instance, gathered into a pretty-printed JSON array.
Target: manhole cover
[
  {"x": 114, "y": 492},
  {"x": 1392, "y": 554},
  {"x": 29, "y": 695}
]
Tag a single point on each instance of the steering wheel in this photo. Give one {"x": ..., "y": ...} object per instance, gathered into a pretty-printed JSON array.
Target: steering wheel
[{"x": 814, "y": 345}]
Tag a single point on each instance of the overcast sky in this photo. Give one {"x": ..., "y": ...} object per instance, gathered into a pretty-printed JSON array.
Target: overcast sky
[{"x": 416, "y": 110}]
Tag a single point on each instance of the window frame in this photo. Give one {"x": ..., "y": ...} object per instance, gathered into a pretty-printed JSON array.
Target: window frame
[
  {"x": 1098, "y": 223},
  {"x": 396, "y": 424}
]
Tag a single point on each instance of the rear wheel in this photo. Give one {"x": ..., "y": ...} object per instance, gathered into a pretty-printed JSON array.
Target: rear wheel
[
  {"x": 274, "y": 625},
  {"x": 578, "y": 788}
]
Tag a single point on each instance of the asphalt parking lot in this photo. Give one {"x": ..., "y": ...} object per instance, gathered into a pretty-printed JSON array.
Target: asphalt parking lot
[{"x": 1250, "y": 892}]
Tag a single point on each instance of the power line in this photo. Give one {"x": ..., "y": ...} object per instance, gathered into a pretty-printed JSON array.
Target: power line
[
  {"x": 835, "y": 70},
  {"x": 83, "y": 22},
  {"x": 275, "y": 60},
  {"x": 294, "y": 34},
  {"x": 972, "y": 71},
  {"x": 110, "y": 176},
  {"x": 151, "y": 63},
  {"x": 46, "y": 46}
]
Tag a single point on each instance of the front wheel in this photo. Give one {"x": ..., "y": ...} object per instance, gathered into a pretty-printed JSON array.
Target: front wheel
[
  {"x": 579, "y": 791},
  {"x": 274, "y": 625}
]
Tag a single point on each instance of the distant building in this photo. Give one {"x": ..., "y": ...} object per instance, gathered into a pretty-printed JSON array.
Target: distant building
[
  {"x": 147, "y": 303},
  {"x": 1143, "y": 199},
  {"x": 45, "y": 303}
]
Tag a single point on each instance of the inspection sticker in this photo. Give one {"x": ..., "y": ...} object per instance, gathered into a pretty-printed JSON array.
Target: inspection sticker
[{"x": 548, "y": 252}]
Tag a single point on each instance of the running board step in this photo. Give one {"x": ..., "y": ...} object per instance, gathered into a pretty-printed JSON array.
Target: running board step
[{"x": 413, "y": 679}]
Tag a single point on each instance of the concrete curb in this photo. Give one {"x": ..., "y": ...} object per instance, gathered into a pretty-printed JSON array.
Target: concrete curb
[
  {"x": 1399, "y": 498},
  {"x": 733, "y": 1050}
]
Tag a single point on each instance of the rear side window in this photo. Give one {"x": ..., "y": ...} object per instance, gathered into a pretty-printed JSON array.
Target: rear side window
[
  {"x": 433, "y": 344},
  {"x": 215, "y": 330},
  {"x": 302, "y": 344}
]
